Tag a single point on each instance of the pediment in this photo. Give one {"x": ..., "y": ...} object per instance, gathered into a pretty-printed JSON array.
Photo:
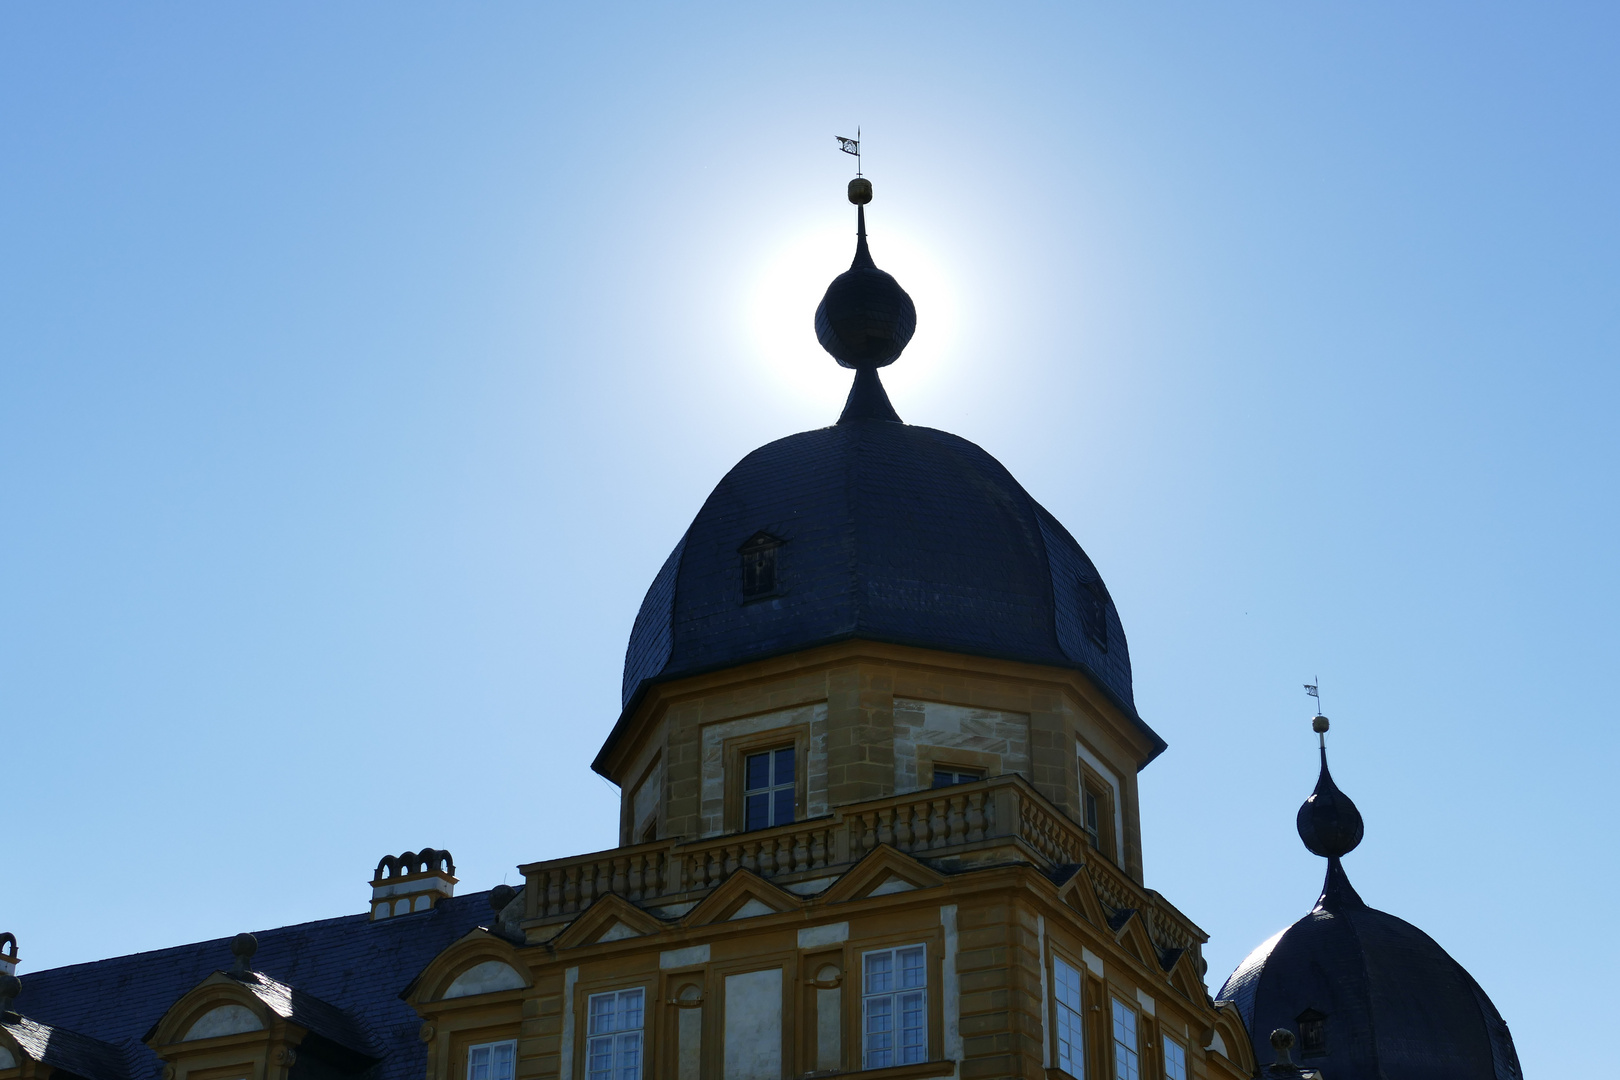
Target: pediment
[
  {"x": 1080, "y": 894},
  {"x": 1131, "y": 932},
  {"x": 1230, "y": 1039},
  {"x": 880, "y": 873},
  {"x": 478, "y": 962},
  {"x": 217, "y": 1007},
  {"x": 610, "y": 918},
  {"x": 744, "y": 895}
]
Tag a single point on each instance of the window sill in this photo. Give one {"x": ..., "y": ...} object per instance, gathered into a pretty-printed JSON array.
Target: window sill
[{"x": 894, "y": 1072}]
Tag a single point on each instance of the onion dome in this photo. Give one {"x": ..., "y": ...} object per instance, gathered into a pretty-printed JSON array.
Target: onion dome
[
  {"x": 876, "y": 530},
  {"x": 865, "y": 319},
  {"x": 1371, "y": 996}
]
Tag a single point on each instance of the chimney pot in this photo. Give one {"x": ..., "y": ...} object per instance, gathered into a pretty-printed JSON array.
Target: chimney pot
[{"x": 411, "y": 882}]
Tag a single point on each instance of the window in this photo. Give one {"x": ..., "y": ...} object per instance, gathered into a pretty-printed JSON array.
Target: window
[
  {"x": 1312, "y": 1033},
  {"x": 491, "y": 1061},
  {"x": 1071, "y": 1024},
  {"x": 946, "y": 775},
  {"x": 614, "y": 1048},
  {"x": 759, "y": 565},
  {"x": 769, "y": 787},
  {"x": 1097, "y": 811},
  {"x": 1175, "y": 1060},
  {"x": 1127, "y": 1063},
  {"x": 894, "y": 1007},
  {"x": 1094, "y": 612}
]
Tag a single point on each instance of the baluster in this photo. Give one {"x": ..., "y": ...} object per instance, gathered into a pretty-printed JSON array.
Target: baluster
[
  {"x": 733, "y": 858},
  {"x": 919, "y": 827},
  {"x": 784, "y": 855},
  {"x": 717, "y": 866},
  {"x": 975, "y": 817},
  {"x": 957, "y": 820},
  {"x": 936, "y": 823},
  {"x": 637, "y": 861},
  {"x": 869, "y": 836},
  {"x": 801, "y": 852},
  {"x": 902, "y": 827},
  {"x": 749, "y": 861},
  {"x": 767, "y": 858},
  {"x": 818, "y": 849},
  {"x": 570, "y": 890},
  {"x": 886, "y": 825}
]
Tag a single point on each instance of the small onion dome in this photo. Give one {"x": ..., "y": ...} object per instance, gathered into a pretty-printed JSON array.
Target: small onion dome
[
  {"x": 1371, "y": 994},
  {"x": 865, "y": 319},
  {"x": 1328, "y": 822}
]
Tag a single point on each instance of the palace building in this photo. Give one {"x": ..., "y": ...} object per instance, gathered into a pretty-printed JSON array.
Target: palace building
[{"x": 878, "y": 762}]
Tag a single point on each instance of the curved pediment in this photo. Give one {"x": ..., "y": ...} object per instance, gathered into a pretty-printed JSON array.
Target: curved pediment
[
  {"x": 229, "y": 1019},
  {"x": 485, "y": 977},
  {"x": 479, "y": 963}
]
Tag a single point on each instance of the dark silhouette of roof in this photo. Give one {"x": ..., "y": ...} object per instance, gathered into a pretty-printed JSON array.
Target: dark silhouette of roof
[
  {"x": 887, "y": 532},
  {"x": 348, "y": 973},
  {"x": 1389, "y": 1003},
  {"x": 879, "y": 531}
]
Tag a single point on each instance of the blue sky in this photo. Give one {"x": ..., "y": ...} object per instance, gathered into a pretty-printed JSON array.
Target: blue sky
[{"x": 361, "y": 365}]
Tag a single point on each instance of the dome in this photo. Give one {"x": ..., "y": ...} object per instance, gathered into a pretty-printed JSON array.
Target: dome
[
  {"x": 1372, "y": 996},
  {"x": 881, "y": 531}
]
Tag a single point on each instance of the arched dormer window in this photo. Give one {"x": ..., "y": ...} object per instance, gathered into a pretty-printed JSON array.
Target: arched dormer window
[{"x": 760, "y": 577}]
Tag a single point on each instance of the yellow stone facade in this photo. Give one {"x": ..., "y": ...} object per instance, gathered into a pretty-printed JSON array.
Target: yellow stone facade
[{"x": 1025, "y": 931}]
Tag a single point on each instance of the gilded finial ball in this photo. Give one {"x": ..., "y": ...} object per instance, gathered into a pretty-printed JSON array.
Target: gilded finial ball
[
  {"x": 1319, "y": 724},
  {"x": 860, "y": 191}
]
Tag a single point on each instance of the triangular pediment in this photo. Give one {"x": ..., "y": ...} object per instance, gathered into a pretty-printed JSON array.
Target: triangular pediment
[
  {"x": 882, "y": 872},
  {"x": 744, "y": 895},
  {"x": 1184, "y": 976},
  {"x": 610, "y": 918},
  {"x": 1079, "y": 894},
  {"x": 1131, "y": 932}
]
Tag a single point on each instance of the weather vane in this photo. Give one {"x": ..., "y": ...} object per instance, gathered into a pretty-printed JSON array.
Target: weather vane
[
  {"x": 1312, "y": 689},
  {"x": 852, "y": 146}
]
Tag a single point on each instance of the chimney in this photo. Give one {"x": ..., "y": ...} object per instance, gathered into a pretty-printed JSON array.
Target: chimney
[
  {"x": 8, "y": 954},
  {"x": 411, "y": 882}
]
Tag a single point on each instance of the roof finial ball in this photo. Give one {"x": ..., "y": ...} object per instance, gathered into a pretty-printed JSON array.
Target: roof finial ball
[
  {"x": 243, "y": 946},
  {"x": 865, "y": 321},
  {"x": 1328, "y": 822}
]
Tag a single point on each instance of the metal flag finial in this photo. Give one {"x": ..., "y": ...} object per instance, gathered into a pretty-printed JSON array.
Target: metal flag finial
[{"x": 852, "y": 146}]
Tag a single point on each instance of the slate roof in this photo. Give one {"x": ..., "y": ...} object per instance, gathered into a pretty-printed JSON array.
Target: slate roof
[
  {"x": 351, "y": 963},
  {"x": 311, "y": 1013},
  {"x": 890, "y": 532},
  {"x": 1397, "y": 1004},
  {"x": 66, "y": 1051}
]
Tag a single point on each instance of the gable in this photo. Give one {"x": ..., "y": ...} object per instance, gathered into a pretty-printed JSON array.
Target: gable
[
  {"x": 744, "y": 895},
  {"x": 485, "y": 978},
  {"x": 880, "y": 873},
  {"x": 223, "y": 1020}
]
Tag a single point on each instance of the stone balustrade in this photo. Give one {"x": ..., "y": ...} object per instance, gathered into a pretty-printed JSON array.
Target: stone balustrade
[{"x": 999, "y": 820}]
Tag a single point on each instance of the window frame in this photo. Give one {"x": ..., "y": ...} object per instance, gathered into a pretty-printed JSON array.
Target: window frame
[
  {"x": 1094, "y": 787},
  {"x": 761, "y": 550},
  {"x": 1076, "y": 1065},
  {"x": 472, "y": 1048},
  {"x": 774, "y": 785},
  {"x": 1180, "y": 1049},
  {"x": 615, "y": 1034},
  {"x": 863, "y": 998},
  {"x": 1118, "y": 1006},
  {"x": 734, "y": 754}
]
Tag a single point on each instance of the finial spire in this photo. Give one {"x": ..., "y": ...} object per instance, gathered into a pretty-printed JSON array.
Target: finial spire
[
  {"x": 865, "y": 319},
  {"x": 1331, "y": 826}
]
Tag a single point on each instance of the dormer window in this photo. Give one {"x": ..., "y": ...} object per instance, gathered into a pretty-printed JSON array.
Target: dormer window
[
  {"x": 1094, "y": 612},
  {"x": 1312, "y": 1033},
  {"x": 759, "y": 570}
]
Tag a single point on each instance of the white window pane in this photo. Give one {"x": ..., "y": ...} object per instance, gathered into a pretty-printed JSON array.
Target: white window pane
[
  {"x": 478, "y": 1063},
  {"x": 1175, "y": 1060},
  {"x": 879, "y": 972},
  {"x": 505, "y": 1058},
  {"x": 913, "y": 970}
]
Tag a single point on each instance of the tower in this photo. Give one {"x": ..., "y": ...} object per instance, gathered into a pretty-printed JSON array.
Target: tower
[
  {"x": 877, "y": 755},
  {"x": 1372, "y": 996}
]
